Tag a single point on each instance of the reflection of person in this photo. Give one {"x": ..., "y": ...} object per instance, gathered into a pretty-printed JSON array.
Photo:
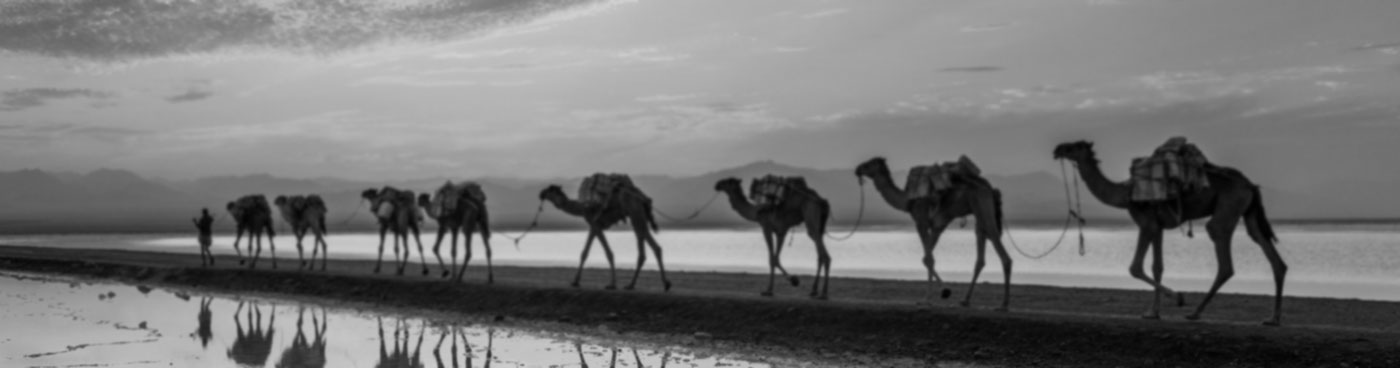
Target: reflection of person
[
  {"x": 206, "y": 317},
  {"x": 205, "y": 224}
]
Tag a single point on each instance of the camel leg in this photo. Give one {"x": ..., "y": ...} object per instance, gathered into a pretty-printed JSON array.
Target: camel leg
[
  {"x": 1145, "y": 236},
  {"x": 641, "y": 259},
  {"x": 272, "y": 245},
  {"x": 823, "y": 262},
  {"x": 778, "y": 263},
  {"x": 255, "y": 242},
  {"x": 418, "y": 239},
  {"x": 238, "y": 236},
  {"x": 660, "y": 264},
  {"x": 928, "y": 235},
  {"x": 1220, "y": 229},
  {"x": 325, "y": 249},
  {"x": 976, "y": 269},
  {"x": 315, "y": 246},
  {"x": 378, "y": 263},
  {"x": 587, "y": 245},
  {"x": 1254, "y": 226},
  {"x": 1158, "y": 266},
  {"x": 486, "y": 244},
  {"x": 299, "y": 235},
  {"x": 466, "y": 255},
  {"x": 401, "y": 242},
  {"x": 437, "y": 250},
  {"x": 453, "y": 253},
  {"x": 768, "y": 236},
  {"x": 1006, "y": 272},
  {"x": 612, "y": 268}
]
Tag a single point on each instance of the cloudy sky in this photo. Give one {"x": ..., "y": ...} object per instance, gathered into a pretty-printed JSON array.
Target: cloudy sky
[{"x": 1288, "y": 90}]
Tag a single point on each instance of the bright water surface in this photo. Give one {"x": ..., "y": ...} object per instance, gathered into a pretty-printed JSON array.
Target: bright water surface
[
  {"x": 1343, "y": 261},
  {"x": 55, "y": 322}
]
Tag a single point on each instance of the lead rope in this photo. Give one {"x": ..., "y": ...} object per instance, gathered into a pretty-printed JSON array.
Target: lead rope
[
  {"x": 859, "y": 215},
  {"x": 692, "y": 215},
  {"x": 1073, "y": 209},
  {"x": 353, "y": 213},
  {"x": 533, "y": 223}
]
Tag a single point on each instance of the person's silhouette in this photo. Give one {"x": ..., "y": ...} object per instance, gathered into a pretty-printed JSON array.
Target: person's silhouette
[{"x": 205, "y": 224}]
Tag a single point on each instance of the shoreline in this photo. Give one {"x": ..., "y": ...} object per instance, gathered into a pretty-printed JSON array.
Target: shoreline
[{"x": 1051, "y": 326}]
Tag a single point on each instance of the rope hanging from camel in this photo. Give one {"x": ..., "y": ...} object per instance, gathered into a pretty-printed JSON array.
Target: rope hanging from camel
[
  {"x": 692, "y": 215},
  {"x": 353, "y": 213},
  {"x": 1073, "y": 211},
  {"x": 533, "y": 223},
  {"x": 860, "y": 215}
]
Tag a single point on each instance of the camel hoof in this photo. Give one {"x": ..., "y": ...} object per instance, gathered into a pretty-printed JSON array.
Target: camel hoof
[
  {"x": 1002, "y": 309},
  {"x": 630, "y": 287},
  {"x": 425, "y": 272},
  {"x": 667, "y": 286},
  {"x": 795, "y": 281},
  {"x": 1153, "y": 316},
  {"x": 242, "y": 262},
  {"x": 1193, "y": 317},
  {"x": 965, "y": 304},
  {"x": 610, "y": 287},
  {"x": 946, "y": 293},
  {"x": 924, "y": 303},
  {"x": 490, "y": 280},
  {"x": 767, "y": 294},
  {"x": 574, "y": 285},
  {"x": 446, "y": 274},
  {"x": 1180, "y": 300},
  {"x": 820, "y": 297},
  {"x": 1272, "y": 323},
  {"x": 376, "y": 270}
]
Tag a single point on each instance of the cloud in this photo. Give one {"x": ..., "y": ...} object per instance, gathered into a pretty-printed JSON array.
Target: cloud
[
  {"x": 190, "y": 95},
  {"x": 667, "y": 98},
  {"x": 986, "y": 27},
  {"x": 20, "y": 99},
  {"x": 420, "y": 81},
  {"x": 104, "y": 30},
  {"x": 649, "y": 55},
  {"x": 824, "y": 13},
  {"x": 786, "y": 49},
  {"x": 972, "y": 69},
  {"x": 1392, "y": 48}
]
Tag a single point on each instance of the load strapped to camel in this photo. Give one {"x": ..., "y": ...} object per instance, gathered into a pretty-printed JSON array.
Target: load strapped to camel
[
  {"x": 928, "y": 181},
  {"x": 771, "y": 190},
  {"x": 452, "y": 192},
  {"x": 1175, "y": 168},
  {"x": 602, "y": 187},
  {"x": 391, "y": 198}
]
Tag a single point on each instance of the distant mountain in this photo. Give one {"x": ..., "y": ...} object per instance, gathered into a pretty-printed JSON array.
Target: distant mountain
[{"x": 120, "y": 201}]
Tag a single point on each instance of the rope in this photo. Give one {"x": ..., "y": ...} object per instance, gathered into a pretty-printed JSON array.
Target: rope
[
  {"x": 859, "y": 215},
  {"x": 692, "y": 215},
  {"x": 353, "y": 213},
  {"x": 533, "y": 223},
  {"x": 1072, "y": 213}
]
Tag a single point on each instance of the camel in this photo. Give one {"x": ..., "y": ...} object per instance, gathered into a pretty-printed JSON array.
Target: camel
[
  {"x": 1229, "y": 198},
  {"x": 251, "y": 348},
  {"x": 970, "y": 196},
  {"x": 456, "y": 333},
  {"x": 625, "y": 206},
  {"x": 457, "y": 208},
  {"x": 205, "y": 332},
  {"x": 396, "y": 211},
  {"x": 400, "y": 357},
  {"x": 799, "y": 207},
  {"x": 252, "y": 214},
  {"x": 304, "y": 353},
  {"x": 303, "y": 214}
]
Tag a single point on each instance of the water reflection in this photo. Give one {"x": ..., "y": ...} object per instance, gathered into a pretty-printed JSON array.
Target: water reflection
[
  {"x": 253, "y": 347},
  {"x": 303, "y": 354},
  {"x": 456, "y": 333},
  {"x": 47, "y": 323}
]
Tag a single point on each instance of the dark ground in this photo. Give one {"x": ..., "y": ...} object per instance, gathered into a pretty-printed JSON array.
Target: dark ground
[{"x": 1049, "y": 326}]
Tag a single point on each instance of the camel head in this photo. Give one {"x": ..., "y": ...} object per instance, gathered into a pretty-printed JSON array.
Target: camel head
[
  {"x": 280, "y": 201},
  {"x": 872, "y": 168},
  {"x": 424, "y": 200},
  {"x": 372, "y": 195},
  {"x": 552, "y": 191},
  {"x": 728, "y": 184},
  {"x": 1080, "y": 151},
  {"x": 234, "y": 210}
]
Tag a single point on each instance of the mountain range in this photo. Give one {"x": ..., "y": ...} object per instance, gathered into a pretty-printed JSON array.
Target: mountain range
[{"x": 107, "y": 200}]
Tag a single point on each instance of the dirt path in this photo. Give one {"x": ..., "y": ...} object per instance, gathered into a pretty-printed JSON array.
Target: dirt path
[{"x": 1049, "y": 326}]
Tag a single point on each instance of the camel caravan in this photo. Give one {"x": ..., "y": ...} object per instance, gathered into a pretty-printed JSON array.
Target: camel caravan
[{"x": 1172, "y": 187}]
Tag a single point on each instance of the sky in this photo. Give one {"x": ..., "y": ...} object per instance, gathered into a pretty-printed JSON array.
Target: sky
[{"x": 1296, "y": 91}]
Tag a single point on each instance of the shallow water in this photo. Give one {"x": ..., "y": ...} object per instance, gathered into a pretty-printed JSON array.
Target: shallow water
[
  {"x": 55, "y": 322},
  {"x": 1344, "y": 261}
]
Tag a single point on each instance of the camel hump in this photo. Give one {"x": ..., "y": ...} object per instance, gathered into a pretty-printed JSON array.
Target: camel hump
[
  {"x": 772, "y": 190},
  {"x": 472, "y": 190},
  {"x": 601, "y": 187},
  {"x": 1174, "y": 168}
]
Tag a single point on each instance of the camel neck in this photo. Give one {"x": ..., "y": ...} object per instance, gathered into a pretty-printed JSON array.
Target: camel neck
[
  {"x": 890, "y": 191},
  {"x": 1110, "y": 193},
  {"x": 569, "y": 206},
  {"x": 741, "y": 204}
]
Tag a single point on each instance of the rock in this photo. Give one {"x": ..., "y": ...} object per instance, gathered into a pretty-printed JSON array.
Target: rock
[
  {"x": 142, "y": 325},
  {"x": 143, "y": 289},
  {"x": 499, "y": 318}
]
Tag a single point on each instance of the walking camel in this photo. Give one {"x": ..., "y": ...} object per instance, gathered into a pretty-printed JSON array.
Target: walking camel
[
  {"x": 628, "y": 204},
  {"x": 251, "y": 347},
  {"x": 306, "y": 214},
  {"x": 400, "y": 356},
  {"x": 1229, "y": 198},
  {"x": 456, "y": 333},
  {"x": 398, "y": 213},
  {"x": 459, "y": 208},
  {"x": 252, "y": 214},
  {"x": 970, "y": 195},
  {"x": 799, "y": 206},
  {"x": 305, "y": 353}
]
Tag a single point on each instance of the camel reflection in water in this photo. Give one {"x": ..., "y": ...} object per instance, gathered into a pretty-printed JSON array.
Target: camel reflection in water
[
  {"x": 457, "y": 334},
  {"x": 400, "y": 357},
  {"x": 612, "y": 361},
  {"x": 304, "y": 353},
  {"x": 251, "y": 347}
]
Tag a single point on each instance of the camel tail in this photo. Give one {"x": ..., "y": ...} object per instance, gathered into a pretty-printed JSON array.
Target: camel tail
[
  {"x": 651, "y": 218},
  {"x": 1001, "y": 216},
  {"x": 483, "y": 222},
  {"x": 1256, "y": 210}
]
